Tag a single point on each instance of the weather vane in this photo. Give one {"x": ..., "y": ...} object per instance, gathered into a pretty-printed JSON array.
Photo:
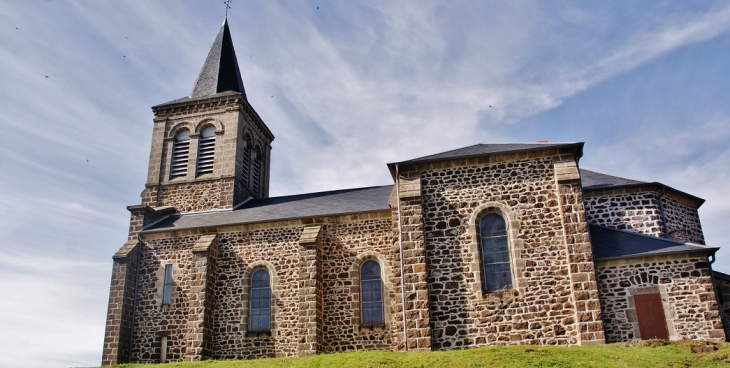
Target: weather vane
[{"x": 228, "y": 6}]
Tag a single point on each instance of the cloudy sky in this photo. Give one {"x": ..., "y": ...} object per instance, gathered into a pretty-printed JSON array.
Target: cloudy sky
[{"x": 345, "y": 88}]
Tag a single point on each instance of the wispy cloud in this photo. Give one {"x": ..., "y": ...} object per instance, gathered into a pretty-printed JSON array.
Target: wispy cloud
[{"x": 345, "y": 89}]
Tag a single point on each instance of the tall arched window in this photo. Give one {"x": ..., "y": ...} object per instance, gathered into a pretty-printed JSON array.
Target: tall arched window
[
  {"x": 180, "y": 150},
  {"x": 256, "y": 178},
  {"x": 371, "y": 293},
  {"x": 246, "y": 167},
  {"x": 206, "y": 150},
  {"x": 260, "y": 301},
  {"x": 496, "y": 270}
]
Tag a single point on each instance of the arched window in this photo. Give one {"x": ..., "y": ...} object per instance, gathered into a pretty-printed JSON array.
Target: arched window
[
  {"x": 496, "y": 268},
  {"x": 246, "y": 167},
  {"x": 206, "y": 150},
  {"x": 256, "y": 179},
  {"x": 371, "y": 294},
  {"x": 180, "y": 150},
  {"x": 260, "y": 301}
]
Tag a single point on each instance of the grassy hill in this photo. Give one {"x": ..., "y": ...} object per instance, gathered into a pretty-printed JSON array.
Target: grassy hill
[{"x": 636, "y": 354}]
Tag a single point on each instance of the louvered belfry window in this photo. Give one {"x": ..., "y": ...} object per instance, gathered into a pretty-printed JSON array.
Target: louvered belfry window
[
  {"x": 246, "y": 167},
  {"x": 206, "y": 150},
  {"x": 180, "y": 151},
  {"x": 256, "y": 179}
]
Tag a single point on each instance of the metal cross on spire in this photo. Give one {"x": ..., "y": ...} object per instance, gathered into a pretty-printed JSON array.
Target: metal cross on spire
[{"x": 228, "y": 6}]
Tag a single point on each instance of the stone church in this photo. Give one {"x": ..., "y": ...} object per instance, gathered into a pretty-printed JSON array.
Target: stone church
[{"x": 491, "y": 244}]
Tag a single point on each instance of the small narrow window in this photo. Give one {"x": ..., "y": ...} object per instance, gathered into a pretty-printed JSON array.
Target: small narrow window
[
  {"x": 206, "y": 150},
  {"x": 166, "y": 290},
  {"x": 246, "y": 158},
  {"x": 260, "y": 301},
  {"x": 371, "y": 294},
  {"x": 180, "y": 150},
  {"x": 496, "y": 268},
  {"x": 256, "y": 179}
]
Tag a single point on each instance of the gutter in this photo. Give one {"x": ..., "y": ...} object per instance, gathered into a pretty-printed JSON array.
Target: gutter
[
  {"x": 643, "y": 255},
  {"x": 134, "y": 298},
  {"x": 714, "y": 288},
  {"x": 402, "y": 275}
]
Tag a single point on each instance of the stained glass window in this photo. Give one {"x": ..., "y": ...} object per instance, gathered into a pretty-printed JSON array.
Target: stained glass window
[
  {"x": 497, "y": 272},
  {"x": 371, "y": 293},
  {"x": 260, "y": 301}
]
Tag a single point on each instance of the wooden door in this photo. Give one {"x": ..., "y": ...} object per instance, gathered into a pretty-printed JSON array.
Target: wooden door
[{"x": 650, "y": 313}]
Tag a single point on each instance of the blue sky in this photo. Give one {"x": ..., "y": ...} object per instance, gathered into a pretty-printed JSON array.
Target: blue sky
[{"x": 345, "y": 88}]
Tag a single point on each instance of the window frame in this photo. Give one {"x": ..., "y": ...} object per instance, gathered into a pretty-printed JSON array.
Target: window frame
[
  {"x": 380, "y": 302},
  {"x": 252, "y": 325},
  {"x": 485, "y": 266}
]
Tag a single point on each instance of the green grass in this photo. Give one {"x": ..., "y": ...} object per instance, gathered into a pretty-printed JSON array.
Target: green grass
[{"x": 638, "y": 354}]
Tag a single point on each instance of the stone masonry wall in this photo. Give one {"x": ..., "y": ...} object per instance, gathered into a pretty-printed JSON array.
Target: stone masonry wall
[
  {"x": 686, "y": 289},
  {"x": 240, "y": 254},
  {"x": 201, "y": 195},
  {"x": 152, "y": 318},
  {"x": 346, "y": 246},
  {"x": 642, "y": 212},
  {"x": 119, "y": 321},
  {"x": 638, "y": 212},
  {"x": 540, "y": 309},
  {"x": 681, "y": 216}
]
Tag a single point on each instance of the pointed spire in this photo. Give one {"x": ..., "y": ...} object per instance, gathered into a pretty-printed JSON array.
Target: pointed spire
[{"x": 220, "y": 72}]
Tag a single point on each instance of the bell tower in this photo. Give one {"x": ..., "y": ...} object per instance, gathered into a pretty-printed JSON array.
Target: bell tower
[{"x": 210, "y": 150}]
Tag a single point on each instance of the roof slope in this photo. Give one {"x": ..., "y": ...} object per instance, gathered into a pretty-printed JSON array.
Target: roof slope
[
  {"x": 593, "y": 179},
  {"x": 611, "y": 243},
  {"x": 330, "y": 203},
  {"x": 487, "y": 149}
]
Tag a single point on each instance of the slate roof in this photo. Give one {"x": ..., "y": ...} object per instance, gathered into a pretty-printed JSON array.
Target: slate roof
[
  {"x": 220, "y": 71},
  {"x": 721, "y": 275},
  {"x": 483, "y": 149},
  {"x": 611, "y": 243},
  {"x": 593, "y": 179},
  {"x": 347, "y": 201},
  {"x": 330, "y": 203}
]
